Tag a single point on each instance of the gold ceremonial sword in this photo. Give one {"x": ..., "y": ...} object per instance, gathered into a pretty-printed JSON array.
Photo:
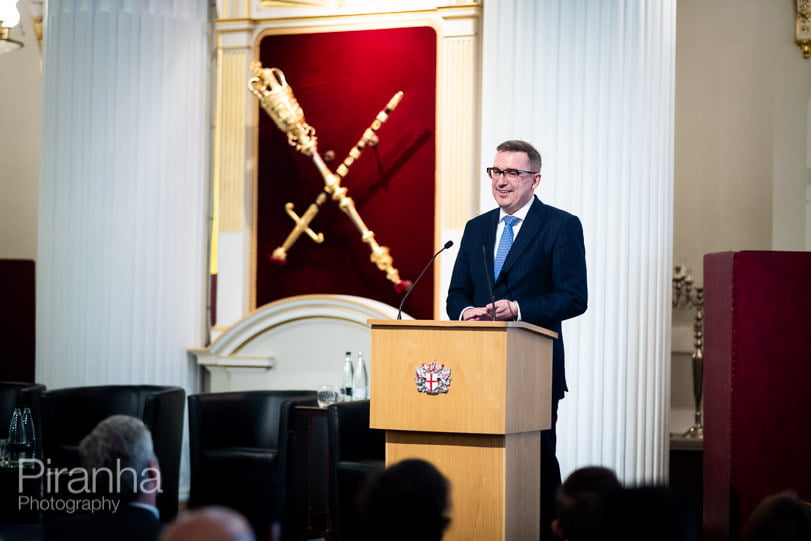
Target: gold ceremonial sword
[{"x": 276, "y": 98}]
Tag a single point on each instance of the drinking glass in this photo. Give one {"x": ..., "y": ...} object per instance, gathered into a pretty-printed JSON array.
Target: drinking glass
[
  {"x": 16, "y": 438},
  {"x": 3, "y": 452},
  {"x": 328, "y": 394}
]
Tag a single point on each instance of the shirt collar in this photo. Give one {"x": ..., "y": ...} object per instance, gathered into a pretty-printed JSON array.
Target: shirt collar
[{"x": 520, "y": 213}]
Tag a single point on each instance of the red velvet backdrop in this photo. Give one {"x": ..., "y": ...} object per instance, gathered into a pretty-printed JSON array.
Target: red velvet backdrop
[{"x": 342, "y": 80}]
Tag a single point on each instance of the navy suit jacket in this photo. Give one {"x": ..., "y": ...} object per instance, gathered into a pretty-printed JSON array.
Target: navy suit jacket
[
  {"x": 129, "y": 523},
  {"x": 545, "y": 273}
]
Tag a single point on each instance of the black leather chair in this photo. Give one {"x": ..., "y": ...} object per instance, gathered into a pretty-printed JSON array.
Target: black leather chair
[
  {"x": 242, "y": 455},
  {"x": 355, "y": 453},
  {"x": 69, "y": 414}
]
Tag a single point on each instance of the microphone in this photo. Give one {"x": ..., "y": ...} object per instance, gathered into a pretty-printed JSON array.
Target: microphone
[
  {"x": 489, "y": 280},
  {"x": 410, "y": 289}
]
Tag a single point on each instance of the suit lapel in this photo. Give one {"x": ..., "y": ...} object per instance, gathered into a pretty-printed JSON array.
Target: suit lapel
[
  {"x": 529, "y": 230},
  {"x": 489, "y": 242}
]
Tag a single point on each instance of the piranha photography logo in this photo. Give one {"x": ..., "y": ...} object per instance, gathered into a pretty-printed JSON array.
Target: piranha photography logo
[{"x": 41, "y": 487}]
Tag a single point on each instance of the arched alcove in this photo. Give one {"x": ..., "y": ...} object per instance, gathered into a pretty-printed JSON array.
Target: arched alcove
[{"x": 294, "y": 343}]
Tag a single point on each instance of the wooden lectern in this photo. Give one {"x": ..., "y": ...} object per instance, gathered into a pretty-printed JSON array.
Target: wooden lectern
[{"x": 484, "y": 432}]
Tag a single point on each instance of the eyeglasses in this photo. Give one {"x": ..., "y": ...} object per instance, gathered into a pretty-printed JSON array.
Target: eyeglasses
[{"x": 509, "y": 174}]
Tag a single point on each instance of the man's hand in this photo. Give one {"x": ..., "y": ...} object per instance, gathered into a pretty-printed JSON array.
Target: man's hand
[
  {"x": 476, "y": 314},
  {"x": 505, "y": 311}
]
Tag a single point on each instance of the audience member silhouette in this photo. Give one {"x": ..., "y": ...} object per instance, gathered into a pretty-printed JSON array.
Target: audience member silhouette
[
  {"x": 210, "y": 523},
  {"x": 581, "y": 503},
  {"x": 779, "y": 517},
  {"x": 408, "y": 501},
  {"x": 649, "y": 512},
  {"x": 119, "y": 458}
]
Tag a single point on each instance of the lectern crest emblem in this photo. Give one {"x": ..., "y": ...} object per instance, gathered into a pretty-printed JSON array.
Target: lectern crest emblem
[{"x": 433, "y": 378}]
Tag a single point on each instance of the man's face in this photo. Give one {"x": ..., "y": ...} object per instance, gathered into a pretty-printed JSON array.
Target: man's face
[{"x": 511, "y": 195}]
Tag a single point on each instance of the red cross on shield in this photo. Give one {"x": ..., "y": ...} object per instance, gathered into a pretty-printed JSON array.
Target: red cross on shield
[{"x": 432, "y": 382}]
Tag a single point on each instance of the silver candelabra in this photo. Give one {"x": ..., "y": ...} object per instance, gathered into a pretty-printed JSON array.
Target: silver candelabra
[{"x": 687, "y": 296}]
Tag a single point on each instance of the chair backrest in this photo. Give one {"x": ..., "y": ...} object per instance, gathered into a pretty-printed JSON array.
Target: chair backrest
[
  {"x": 349, "y": 435},
  {"x": 240, "y": 419},
  {"x": 17, "y": 394},
  {"x": 355, "y": 452},
  {"x": 244, "y": 439},
  {"x": 70, "y": 414},
  {"x": 164, "y": 415}
]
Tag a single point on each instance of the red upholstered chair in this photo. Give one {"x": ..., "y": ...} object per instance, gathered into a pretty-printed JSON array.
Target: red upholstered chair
[
  {"x": 69, "y": 414},
  {"x": 243, "y": 456}
]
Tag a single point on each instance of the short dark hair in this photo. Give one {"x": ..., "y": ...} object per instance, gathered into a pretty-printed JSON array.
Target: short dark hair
[
  {"x": 778, "y": 517},
  {"x": 393, "y": 499},
  {"x": 516, "y": 145},
  {"x": 581, "y": 502}
]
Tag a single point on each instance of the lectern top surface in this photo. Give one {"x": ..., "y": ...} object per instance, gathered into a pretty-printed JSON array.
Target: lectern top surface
[{"x": 436, "y": 323}]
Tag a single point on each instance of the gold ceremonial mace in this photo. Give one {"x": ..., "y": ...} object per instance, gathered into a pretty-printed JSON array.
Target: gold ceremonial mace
[
  {"x": 302, "y": 223},
  {"x": 276, "y": 98}
]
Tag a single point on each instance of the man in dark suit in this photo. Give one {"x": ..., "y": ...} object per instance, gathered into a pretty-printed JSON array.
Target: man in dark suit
[
  {"x": 123, "y": 478},
  {"x": 534, "y": 257}
]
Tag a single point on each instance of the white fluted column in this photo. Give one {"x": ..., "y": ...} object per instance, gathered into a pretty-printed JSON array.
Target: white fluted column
[
  {"x": 592, "y": 85},
  {"x": 121, "y": 284}
]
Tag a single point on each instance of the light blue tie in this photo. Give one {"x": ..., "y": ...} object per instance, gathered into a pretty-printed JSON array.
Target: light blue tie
[{"x": 504, "y": 243}]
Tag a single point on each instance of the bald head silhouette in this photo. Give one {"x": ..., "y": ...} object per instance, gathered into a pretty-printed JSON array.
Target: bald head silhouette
[{"x": 212, "y": 523}]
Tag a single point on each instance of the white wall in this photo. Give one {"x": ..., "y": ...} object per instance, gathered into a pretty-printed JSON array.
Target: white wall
[
  {"x": 742, "y": 91},
  {"x": 20, "y": 114},
  {"x": 741, "y": 166}
]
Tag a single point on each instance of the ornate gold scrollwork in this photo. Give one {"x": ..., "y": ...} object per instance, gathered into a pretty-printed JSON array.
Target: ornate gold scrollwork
[
  {"x": 802, "y": 27},
  {"x": 278, "y": 101}
]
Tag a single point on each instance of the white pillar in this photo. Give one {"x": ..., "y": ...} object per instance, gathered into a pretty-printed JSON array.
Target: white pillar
[
  {"x": 121, "y": 284},
  {"x": 591, "y": 84}
]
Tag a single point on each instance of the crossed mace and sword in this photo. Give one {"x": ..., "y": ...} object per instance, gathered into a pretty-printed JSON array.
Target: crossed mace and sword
[{"x": 278, "y": 101}]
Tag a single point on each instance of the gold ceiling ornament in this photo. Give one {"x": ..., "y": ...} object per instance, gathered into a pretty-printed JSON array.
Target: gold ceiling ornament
[
  {"x": 36, "y": 9},
  {"x": 9, "y": 18},
  {"x": 802, "y": 27},
  {"x": 278, "y": 101}
]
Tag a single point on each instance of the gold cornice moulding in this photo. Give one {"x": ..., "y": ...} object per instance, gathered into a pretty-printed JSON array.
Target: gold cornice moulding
[
  {"x": 372, "y": 5},
  {"x": 259, "y": 13},
  {"x": 802, "y": 27},
  {"x": 300, "y": 3},
  {"x": 375, "y": 4}
]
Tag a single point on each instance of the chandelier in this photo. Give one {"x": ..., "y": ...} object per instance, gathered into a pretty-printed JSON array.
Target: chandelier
[{"x": 9, "y": 18}]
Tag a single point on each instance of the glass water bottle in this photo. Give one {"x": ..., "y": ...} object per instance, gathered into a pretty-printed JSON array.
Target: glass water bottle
[
  {"x": 360, "y": 388},
  {"x": 349, "y": 377}
]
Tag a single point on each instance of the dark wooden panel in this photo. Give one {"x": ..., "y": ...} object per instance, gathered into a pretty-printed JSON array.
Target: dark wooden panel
[
  {"x": 757, "y": 433},
  {"x": 17, "y": 319}
]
